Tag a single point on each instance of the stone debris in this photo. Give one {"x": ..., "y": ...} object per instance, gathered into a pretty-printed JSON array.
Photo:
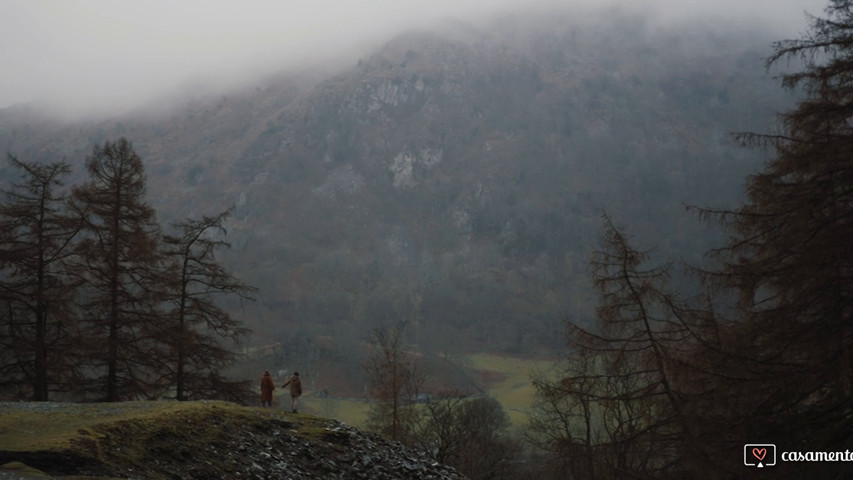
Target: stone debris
[{"x": 272, "y": 448}]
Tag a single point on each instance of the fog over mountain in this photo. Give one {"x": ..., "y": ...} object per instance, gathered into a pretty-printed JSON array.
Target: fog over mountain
[
  {"x": 102, "y": 56},
  {"x": 605, "y": 228},
  {"x": 451, "y": 176}
]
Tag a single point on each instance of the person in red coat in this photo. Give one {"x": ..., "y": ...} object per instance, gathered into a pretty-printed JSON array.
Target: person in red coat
[
  {"x": 267, "y": 386},
  {"x": 295, "y": 390}
]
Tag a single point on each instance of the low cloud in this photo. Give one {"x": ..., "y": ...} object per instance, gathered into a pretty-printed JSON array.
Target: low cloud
[{"x": 103, "y": 53}]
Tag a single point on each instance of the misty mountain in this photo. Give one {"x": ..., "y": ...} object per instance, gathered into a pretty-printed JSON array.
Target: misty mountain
[{"x": 454, "y": 178}]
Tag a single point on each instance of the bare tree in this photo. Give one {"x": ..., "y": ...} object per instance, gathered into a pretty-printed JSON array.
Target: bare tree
[
  {"x": 395, "y": 381},
  {"x": 469, "y": 434},
  {"x": 563, "y": 421},
  {"x": 439, "y": 431},
  {"x": 37, "y": 333},
  {"x": 196, "y": 323}
]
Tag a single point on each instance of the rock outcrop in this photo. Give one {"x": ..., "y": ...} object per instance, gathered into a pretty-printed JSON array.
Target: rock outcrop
[{"x": 196, "y": 440}]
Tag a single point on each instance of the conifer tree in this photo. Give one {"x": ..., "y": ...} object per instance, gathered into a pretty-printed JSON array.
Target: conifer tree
[
  {"x": 123, "y": 270},
  {"x": 616, "y": 409},
  {"x": 37, "y": 332},
  {"x": 197, "y": 325},
  {"x": 789, "y": 259}
]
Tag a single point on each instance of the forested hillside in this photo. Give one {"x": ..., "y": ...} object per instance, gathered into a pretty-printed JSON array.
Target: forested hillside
[{"x": 454, "y": 178}]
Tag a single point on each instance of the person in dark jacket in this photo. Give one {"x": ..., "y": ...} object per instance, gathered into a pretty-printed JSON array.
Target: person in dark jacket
[
  {"x": 295, "y": 390},
  {"x": 267, "y": 386}
]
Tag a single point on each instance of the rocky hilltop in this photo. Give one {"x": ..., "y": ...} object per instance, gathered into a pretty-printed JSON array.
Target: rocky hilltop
[{"x": 194, "y": 440}]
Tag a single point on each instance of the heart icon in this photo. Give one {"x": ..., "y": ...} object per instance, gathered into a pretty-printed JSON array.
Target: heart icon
[{"x": 759, "y": 453}]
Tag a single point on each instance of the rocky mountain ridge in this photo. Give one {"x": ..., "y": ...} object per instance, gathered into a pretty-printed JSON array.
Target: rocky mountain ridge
[{"x": 452, "y": 178}]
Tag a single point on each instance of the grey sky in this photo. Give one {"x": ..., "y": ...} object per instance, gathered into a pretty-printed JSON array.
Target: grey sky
[{"x": 120, "y": 52}]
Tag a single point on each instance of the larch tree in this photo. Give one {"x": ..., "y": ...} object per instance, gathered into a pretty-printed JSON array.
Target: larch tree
[
  {"x": 197, "y": 325},
  {"x": 123, "y": 270},
  {"x": 36, "y": 286},
  {"x": 789, "y": 258},
  {"x": 616, "y": 410}
]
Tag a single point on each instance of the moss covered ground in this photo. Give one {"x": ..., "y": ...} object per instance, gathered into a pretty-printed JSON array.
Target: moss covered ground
[{"x": 57, "y": 437}]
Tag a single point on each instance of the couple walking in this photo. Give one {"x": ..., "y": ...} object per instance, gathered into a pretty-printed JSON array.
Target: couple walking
[{"x": 267, "y": 386}]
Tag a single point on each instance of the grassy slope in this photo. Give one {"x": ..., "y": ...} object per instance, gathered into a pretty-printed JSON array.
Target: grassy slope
[
  {"x": 52, "y": 427},
  {"x": 514, "y": 390},
  {"x": 83, "y": 433},
  {"x": 193, "y": 440},
  {"x": 87, "y": 431}
]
